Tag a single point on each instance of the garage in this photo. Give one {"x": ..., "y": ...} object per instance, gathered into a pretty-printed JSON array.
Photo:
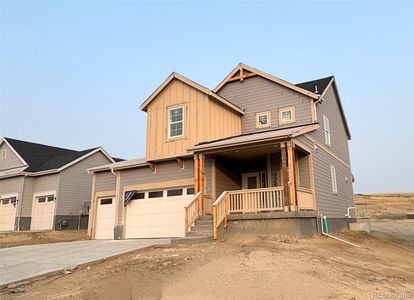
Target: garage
[
  {"x": 7, "y": 213},
  {"x": 43, "y": 212},
  {"x": 156, "y": 213},
  {"x": 105, "y": 218}
]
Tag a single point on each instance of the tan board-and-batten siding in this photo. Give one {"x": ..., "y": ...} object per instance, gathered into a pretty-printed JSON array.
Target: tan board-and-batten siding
[{"x": 205, "y": 119}]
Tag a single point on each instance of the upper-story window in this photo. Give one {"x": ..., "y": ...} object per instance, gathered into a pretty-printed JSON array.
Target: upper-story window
[
  {"x": 3, "y": 154},
  {"x": 263, "y": 119},
  {"x": 176, "y": 122},
  {"x": 287, "y": 115},
  {"x": 327, "y": 130}
]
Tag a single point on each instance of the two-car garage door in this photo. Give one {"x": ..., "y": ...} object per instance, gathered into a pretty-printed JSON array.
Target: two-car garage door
[{"x": 157, "y": 213}]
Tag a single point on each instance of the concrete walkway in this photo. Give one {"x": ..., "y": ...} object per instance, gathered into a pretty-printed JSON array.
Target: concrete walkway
[{"x": 25, "y": 262}]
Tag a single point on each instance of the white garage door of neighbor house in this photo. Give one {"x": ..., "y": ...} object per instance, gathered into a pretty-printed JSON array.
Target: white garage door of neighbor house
[
  {"x": 43, "y": 212},
  {"x": 105, "y": 218},
  {"x": 7, "y": 213},
  {"x": 155, "y": 214}
]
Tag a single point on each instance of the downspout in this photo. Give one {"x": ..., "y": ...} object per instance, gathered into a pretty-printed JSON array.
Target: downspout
[{"x": 348, "y": 213}]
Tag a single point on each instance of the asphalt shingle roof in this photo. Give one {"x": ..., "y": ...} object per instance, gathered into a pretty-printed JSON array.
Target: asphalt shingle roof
[
  {"x": 320, "y": 83},
  {"x": 43, "y": 157}
]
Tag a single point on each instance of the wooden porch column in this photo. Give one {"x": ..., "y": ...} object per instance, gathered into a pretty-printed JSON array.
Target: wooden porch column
[
  {"x": 196, "y": 174},
  {"x": 284, "y": 175},
  {"x": 201, "y": 180},
  {"x": 292, "y": 181}
]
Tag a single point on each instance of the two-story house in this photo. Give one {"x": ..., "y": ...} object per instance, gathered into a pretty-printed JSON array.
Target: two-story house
[
  {"x": 44, "y": 187},
  {"x": 257, "y": 153}
]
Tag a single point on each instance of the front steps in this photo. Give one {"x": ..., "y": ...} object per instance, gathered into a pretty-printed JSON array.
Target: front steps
[{"x": 203, "y": 227}]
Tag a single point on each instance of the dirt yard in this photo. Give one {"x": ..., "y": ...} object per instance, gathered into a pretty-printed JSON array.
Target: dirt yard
[
  {"x": 239, "y": 268},
  {"x": 385, "y": 206},
  {"x": 12, "y": 239}
]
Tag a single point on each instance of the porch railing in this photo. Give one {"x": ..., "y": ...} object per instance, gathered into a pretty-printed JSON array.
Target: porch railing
[
  {"x": 192, "y": 211},
  {"x": 246, "y": 201}
]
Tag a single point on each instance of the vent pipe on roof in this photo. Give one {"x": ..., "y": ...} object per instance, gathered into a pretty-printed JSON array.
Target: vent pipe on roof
[{"x": 316, "y": 89}]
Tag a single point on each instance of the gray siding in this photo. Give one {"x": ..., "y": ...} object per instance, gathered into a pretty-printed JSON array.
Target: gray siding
[
  {"x": 105, "y": 181},
  {"x": 46, "y": 183},
  {"x": 228, "y": 176},
  {"x": 75, "y": 185},
  {"x": 27, "y": 197},
  {"x": 208, "y": 180},
  {"x": 339, "y": 140},
  {"x": 11, "y": 161},
  {"x": 166, "y": 170},
  {"x": 10, "y": 185},
  {"x": 304, "y": 177},
  {"x": 257, "y": 94},
  {"x": 327, "y": 202}
]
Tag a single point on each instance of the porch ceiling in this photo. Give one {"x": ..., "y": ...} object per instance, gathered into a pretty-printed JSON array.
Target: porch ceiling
[{"x": 250, "y": 153}]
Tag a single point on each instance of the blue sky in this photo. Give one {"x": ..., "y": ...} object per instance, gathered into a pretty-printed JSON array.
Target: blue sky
[{"x": 72, "y": 74}]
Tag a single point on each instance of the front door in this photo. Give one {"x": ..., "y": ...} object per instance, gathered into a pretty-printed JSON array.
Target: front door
[{"x": 251, "y": 180}]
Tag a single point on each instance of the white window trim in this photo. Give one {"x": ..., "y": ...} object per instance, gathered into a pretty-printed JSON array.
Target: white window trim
[
  {"x": 327, "y": 130},
  {"x": 4, "y": 154},
  {"x": 292, "y": 113},
  {"x": 169, "y": 122},
  {"x": 333, "y": 180},
  {"x": 258, "y": 115}
]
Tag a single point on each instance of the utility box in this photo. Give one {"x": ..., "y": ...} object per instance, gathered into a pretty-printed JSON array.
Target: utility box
[{"x": 118, "y": 232}]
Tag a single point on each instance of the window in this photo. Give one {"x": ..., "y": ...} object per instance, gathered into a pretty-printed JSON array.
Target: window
[
  {"x": 3, "y": 153},
  {"x": 190, "y": 191},
  {"x": 5, "y": 201},
  {"x": 106, "y": 201},
  {"x": 287, "y": 115},
  {"x": 50, "y": 198},
  {"x": 138, "y": 195},
  {"x": 177, "y": 192},
  {"x": 175, "y": 122},
  {"x": 333, "y": 179},
  {"x": 263, "y": 119},
  {"x": 327, "y": 130},
  {"x": 155, "y": 194},
  {"x": 41, "y": 200}
]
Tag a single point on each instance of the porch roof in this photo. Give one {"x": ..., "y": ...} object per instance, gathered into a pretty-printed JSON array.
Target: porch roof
[{"x": 255, "y": 137}]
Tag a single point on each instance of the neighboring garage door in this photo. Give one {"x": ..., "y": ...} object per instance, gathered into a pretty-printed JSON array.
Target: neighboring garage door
[
  {"x": 7, "y": 213},
  {"x": 105, "y": 218},
  {"x": 157, "y": 213},
  {"x": 43, "y": 212}
]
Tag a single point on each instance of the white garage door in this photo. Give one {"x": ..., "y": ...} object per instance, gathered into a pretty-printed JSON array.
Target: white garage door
[
  {"x": 155, "y": 214},
  {"x": 7, "y": 213},
  {"x": 43, "y": 212},
  {"x": 105, "y": 218}
]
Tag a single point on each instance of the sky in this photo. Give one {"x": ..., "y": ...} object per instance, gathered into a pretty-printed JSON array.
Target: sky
[{"x": 73, "y": 73}]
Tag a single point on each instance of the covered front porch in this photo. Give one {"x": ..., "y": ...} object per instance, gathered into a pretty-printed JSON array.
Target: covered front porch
[{"x": 272, "y": 177}]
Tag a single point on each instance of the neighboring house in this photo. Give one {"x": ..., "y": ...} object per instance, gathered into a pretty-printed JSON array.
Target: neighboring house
[
  {"x": 44, "y": 187},
  {"x": 254, "y": 149}
]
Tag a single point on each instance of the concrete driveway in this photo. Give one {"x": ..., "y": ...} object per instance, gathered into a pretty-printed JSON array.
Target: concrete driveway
[{"x": 25, "y": 262}]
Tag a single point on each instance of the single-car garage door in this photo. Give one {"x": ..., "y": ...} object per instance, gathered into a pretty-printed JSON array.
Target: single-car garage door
[
  {"x": 7, "y": 213},
  {"x": 105, "y": 218},
  {"x": 43, "y": 212},
  {"x": 158, "y": 213}
]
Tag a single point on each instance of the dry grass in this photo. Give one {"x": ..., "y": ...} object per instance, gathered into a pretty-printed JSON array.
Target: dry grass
[
  {"x": 13, "y": 239},
  {"x": 385, "y": 206}
]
